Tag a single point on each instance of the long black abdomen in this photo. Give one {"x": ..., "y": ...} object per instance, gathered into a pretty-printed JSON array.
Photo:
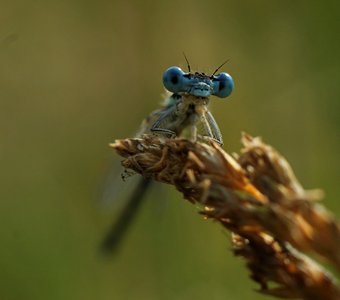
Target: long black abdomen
[{"x": 119, "y": 228}]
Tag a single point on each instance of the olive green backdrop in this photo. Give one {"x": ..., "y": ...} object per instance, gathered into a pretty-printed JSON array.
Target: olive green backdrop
[{"x": 75, "y": 75}]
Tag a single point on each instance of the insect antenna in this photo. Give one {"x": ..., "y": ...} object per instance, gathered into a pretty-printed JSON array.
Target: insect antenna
[
  {"x": 189, "y": 69},
  {"x": 220, "y": 67}
]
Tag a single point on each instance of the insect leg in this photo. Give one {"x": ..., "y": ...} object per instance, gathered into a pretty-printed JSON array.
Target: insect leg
[
  {"x": 214, "y": 129},
  {"x": 193, "y": 134},
  {"x": 206, "y": 126},
  {"x": 165, "y": 122}
]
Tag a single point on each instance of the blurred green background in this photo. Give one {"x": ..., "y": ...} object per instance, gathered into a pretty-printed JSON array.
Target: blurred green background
[{"x": 75, "y": 75}]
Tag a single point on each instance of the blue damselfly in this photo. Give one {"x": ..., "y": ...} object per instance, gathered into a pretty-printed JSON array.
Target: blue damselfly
[{"x": 184, "y": 113}]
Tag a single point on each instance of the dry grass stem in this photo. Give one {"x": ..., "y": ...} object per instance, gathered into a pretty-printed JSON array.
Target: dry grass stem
[{"x": 258, "y": 198}]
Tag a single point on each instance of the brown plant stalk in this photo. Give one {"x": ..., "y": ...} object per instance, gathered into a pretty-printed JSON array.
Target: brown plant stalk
[{"x": 258, "y": 198}]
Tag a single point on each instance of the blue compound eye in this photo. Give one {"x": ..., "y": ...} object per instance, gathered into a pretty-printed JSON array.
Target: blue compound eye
[
  {"x": 223, "y": 85},
  {"x": 173, "y": 80}
]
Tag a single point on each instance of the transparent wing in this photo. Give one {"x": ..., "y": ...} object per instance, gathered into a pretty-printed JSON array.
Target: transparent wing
[
  {"x": 117, "y": 231},
  {"x": 120, "y": 187},
  {"x": 115, "y": 186}
]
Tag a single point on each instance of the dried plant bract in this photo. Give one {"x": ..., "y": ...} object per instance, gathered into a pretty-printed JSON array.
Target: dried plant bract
[{"x": 273, "y": 220}]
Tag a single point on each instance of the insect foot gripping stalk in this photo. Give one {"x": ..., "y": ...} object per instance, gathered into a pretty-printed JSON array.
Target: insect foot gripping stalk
[{"x": 258, "y": 198}]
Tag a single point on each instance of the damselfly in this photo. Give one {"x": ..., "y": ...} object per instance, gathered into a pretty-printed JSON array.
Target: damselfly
[{"x": 184, "y": 113}]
